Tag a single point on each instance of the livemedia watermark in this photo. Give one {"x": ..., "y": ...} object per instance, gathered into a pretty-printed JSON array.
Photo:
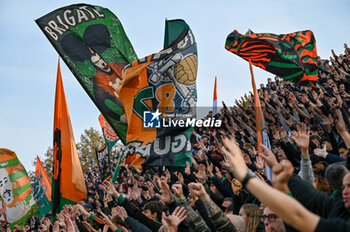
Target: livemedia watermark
[{"x": 155, "y": 119}]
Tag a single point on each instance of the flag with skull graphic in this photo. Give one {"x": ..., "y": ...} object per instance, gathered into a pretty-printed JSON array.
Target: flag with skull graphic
[{"x": 159, "y": 95}]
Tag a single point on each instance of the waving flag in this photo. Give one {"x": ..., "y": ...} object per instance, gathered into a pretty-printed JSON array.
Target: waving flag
[
  {"x": 110, "y": 136},
  {"x": 119, "y": 161},
  {"x": 68, "y": 184},
  {"x": 215, "y": 100},
  {"x": 42, "y": 189},
  {"x": 292, "y": 57},
  {"x": 104, "y": 163},
  {"x": 156, "y": 89},
  {"x": 15, "y": 190},
  {"x": 93, "y": 44}
]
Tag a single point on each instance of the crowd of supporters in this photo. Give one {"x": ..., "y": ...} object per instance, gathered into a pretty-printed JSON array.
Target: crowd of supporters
[{"x": 226, "y": 188}]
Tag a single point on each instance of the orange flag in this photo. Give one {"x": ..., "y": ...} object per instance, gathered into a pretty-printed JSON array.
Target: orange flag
[
  {"x": 68, "y": 185},
  {"x": 261, "y": 130},
  {"x": 259, "y": 117},
  {"x": 215, "y": 100},
  {"x": 42, "y": 189},
  {"x": 40, "y": 171}
]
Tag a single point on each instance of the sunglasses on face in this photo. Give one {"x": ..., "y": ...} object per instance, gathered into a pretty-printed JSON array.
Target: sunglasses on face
[{"x": 270, "y": 217}]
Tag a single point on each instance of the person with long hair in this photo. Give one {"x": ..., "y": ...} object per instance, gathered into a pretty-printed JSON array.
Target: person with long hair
[{"x": 251, "y": 215}]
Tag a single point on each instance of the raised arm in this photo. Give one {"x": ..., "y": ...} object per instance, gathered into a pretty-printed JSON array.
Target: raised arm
[
  {"x": 290, "y": 210},
  {"x": 302, "y": 140}
]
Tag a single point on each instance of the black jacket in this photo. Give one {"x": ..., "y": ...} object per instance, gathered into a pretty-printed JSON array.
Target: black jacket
[{"x": 316, "y": 201}]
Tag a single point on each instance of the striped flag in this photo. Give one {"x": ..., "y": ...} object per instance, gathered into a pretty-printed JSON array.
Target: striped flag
[
  {"x": 292, "y": 56},
  {"x": 261, "y": 131},
  {"x": 15, "y": 190},
  {"x": 215, "y": 100},
  {"x": 68, "y": 185}
]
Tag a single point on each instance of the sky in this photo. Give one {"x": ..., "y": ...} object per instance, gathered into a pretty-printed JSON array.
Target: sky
[{"x": 28, "y": 62}]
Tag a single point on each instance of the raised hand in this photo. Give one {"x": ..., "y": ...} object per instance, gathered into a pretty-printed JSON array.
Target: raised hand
[
  {"x": 234, "y": 154},
  {"x": 339, "y": 121},
  {"x": 156, "y": 180},
  {"x": 281, "y": 174},
  {"x": 321, "y": 152},
  {"x": 259, "y": 163},
  {"x": 210, "y": 169},
  {"x": 201, "y": 175},
  {"x": 109, "y": 222},
  {"x": 60, "y": 219},
  {"x": 268, "y": 156},
  {"x": 177, "y": 189},
  {"x": 166, "y": 196},
  {"x": 198, "y": 190},
  {"x": 56, "y": 227},
  {"x": 167, "y": 176},
  {"x": 137, "y": 192},
  {"x": 69, "y": 223},
  {"x": 225, "y": 164},
  {"x": 328, "y": 121},
  {"x": 188, "y": 168},
  {"x": 121, "y": 212},
  {"x": 82, "y": 209},
  {"x": 302, "y": 139},
  {"x": 173, "y": 221},
  {"x": 181, "y": 178},
  {"x": 109, "y": 188}
]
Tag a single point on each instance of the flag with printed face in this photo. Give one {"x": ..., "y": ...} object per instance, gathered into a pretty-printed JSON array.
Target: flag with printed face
[
  {"x": 104, "y": 163},
  {"x": 157, "y": 91},
  {"x": 68, "y": 184},
  {"x": 42, "y": 189},
  {"x": 93, "y": 44},
  {"x": 17, "y": 201},
  {"x": 110, "y": 136},
  {"x": 292, "y": 57},
  {"x": 215, "y": 100}
]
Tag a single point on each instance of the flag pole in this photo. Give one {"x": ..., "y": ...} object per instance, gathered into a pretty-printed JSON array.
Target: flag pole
[
  {"x": 258, "y": 111},
  {"x": 261, "y": 133},
  {"x": 214, "y": 106}
]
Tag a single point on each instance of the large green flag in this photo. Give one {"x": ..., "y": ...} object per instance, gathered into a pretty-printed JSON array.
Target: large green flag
[{"x": 92, "y": 42}]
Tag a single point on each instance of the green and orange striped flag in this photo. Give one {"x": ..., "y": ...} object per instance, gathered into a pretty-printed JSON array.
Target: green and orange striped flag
[
  {"x": 68, "y": 185},
  {"x": 15, "y": 190},
  {"x": 42, "y": 189},
  {"x": 292, "y": 56}
]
